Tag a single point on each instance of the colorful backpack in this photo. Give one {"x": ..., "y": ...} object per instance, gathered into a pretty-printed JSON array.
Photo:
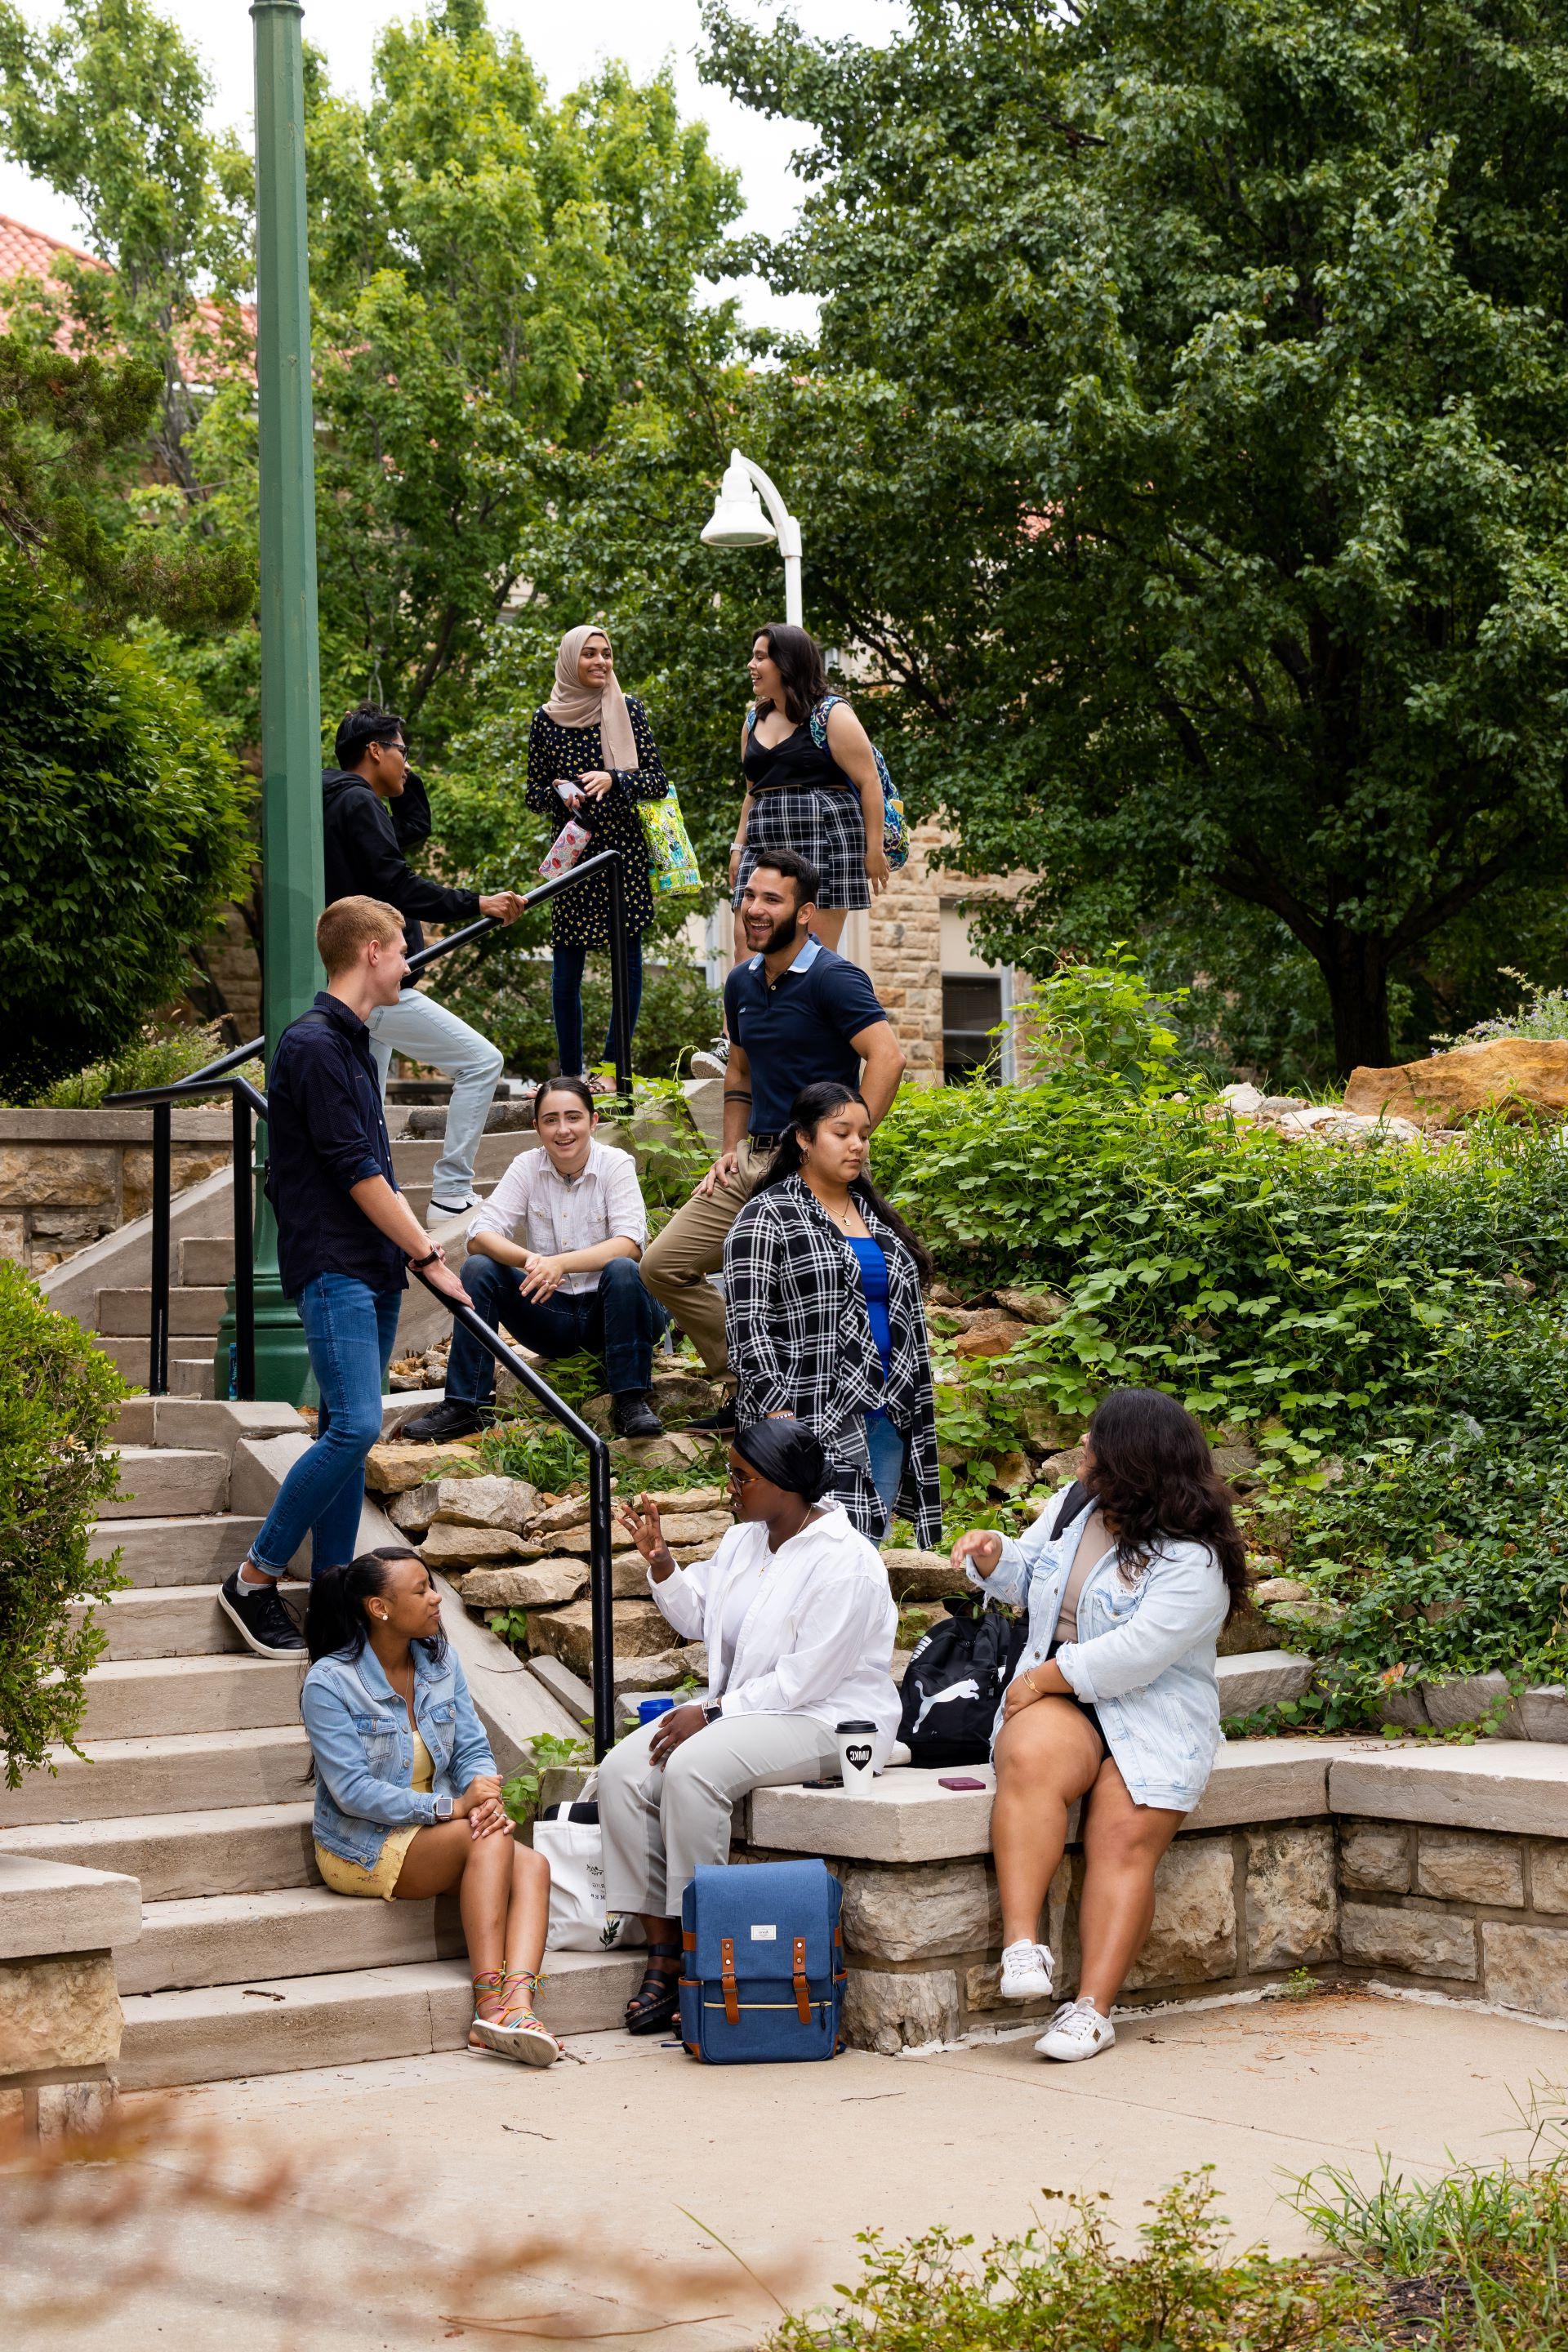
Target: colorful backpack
[{"x": 895, "y": 824}]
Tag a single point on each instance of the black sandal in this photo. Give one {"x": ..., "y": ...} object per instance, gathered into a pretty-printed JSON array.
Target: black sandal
[{"x": 657, "y": 2001}]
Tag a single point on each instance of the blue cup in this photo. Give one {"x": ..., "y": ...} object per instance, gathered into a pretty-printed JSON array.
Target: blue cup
[{"x": 649, "y": 1708}]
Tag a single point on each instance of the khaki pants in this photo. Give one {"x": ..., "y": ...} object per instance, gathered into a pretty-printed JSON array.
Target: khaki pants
[
  {"x": 676, "y": 1266},
  {"x": 660, "y": 1826}
]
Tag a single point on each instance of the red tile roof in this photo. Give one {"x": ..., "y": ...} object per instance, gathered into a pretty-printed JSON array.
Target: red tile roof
[{"x": 29, "y": 253}]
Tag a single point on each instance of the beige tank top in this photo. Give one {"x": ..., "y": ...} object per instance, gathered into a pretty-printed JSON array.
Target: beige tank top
[{"x": 1092, "y": 1546}]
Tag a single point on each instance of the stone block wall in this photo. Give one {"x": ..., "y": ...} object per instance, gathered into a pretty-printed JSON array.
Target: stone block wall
[
  {"x": 1474, "y": 1914},
  {"x": 69, "y": 1177}
]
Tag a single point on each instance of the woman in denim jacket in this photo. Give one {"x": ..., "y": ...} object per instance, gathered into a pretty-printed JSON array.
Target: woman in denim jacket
[
  {"x": 1114, "y": 1698},
  {"x": 408, "y": 1800}
]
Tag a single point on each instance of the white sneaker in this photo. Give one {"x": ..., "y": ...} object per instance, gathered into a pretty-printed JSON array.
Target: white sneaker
[
  {"x": 713, "y": 1061},
  {"x": 1025, "y": 1971},
  {"x": 1076, "y": 2031}
]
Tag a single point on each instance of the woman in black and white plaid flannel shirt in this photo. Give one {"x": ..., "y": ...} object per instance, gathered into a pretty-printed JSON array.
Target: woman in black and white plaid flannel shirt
[{"x": 824, "y": 1316}]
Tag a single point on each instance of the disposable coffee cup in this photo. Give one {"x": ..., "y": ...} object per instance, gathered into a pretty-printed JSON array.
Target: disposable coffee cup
[
  {"x": 649, "y": 1708},
  {"x": 857, "y": 1745}
]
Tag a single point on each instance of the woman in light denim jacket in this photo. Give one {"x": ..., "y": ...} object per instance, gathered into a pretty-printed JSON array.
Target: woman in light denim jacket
[
  {"x": 1120, "y": 1708},
  {"x": 408, "y": 1800}
]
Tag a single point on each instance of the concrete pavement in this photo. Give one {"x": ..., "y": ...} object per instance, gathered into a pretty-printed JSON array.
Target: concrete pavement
[{"x": 598, "y": 2192}]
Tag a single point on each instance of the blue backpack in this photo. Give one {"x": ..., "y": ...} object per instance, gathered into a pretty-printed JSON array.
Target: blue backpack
[
  {"x": 895, "y": 824},
  {"x": 764, "y": 1963}
]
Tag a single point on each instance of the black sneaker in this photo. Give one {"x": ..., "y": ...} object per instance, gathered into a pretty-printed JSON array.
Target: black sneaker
[
  {"x": 452, "y": 1418},
  {"x": 722, "y": 1423},
  {"x": 263, "y": 1623},
  {"x": 632, "y": 1415}
]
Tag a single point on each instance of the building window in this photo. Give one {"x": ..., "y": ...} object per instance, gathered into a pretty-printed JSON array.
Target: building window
[{"x": 970, "y": 1011}]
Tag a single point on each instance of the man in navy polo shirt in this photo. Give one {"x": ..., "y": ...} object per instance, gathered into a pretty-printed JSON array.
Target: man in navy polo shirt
[
  {"x": 796, "y": 1013},
  {"x": 345, "y": 1234}
]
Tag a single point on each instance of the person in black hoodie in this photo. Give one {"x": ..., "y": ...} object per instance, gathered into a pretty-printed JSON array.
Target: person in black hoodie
[{"x": 375, "y": 810}]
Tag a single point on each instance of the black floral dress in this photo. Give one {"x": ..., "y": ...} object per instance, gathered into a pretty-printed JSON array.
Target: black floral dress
[{"x": 581, "y": 919}]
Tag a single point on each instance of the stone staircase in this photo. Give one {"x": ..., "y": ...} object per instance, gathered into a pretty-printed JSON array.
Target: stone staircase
[
  {"x": 201, "y": 1265},
  {"x": 194, "y": 1779}
]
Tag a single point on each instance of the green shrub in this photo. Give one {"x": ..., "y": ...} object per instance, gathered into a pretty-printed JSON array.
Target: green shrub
[
  {"x": 122, "y": 818},
  {"x": 158, "y": 1057},
  {"x": 1074, "y": 2293},
  {"x": 57, "y": 1399}
]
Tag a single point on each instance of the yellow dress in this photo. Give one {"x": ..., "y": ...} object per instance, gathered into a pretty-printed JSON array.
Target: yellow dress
[{"x": 380, "y": 1878}]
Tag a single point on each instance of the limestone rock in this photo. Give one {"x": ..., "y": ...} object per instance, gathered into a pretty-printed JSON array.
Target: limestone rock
[
  {"x": 926, "y": 1909},
  {"x": 640, "y": 1631},
  {"x": 1524, "y": 1077},
  {"x": 661, "y": 1671},
  {"x": 571, "y": 1511},
  {"x": 537, "y": 1584},
  {"x": 413, "y": 1510},
  {"x": 1480, "y": 1699},
  {"x": 1033, "y": 1306},
  {"x": 636, "y": 1456},
  {"x": 700, "y": 1501},
  {"x": 1428, "y": 1943},
  {"x": 449, "y": 1547},
  {"x": 922, "y": 1575},
  {"x": 989, "y": 1333},
  {"x": 1468, "y": 1866},
  {"x": 887, "y": 2012},
  {"x": 1275, "y": 1591},
  {"x": 693, "y": 1533},
  {"x": 1375, "y": 1857},
  {"x": 59, "y": 2013},
  {"x": 629, "y": 1574},
  {"x": 395, "y": 1465},
  {"x": 1542, "y": 1712},
  {"x": 1243, "y": 1100},
  {"x": 1291, "y": 1904},
  {"x": 1526, "y": 1967},
  {"x": 1061, "y": 1468},
  {"x": 509, "y": 1503},
  {"x": 1233, "y": 1460},
  {"x": 1192, "y": 1940}
]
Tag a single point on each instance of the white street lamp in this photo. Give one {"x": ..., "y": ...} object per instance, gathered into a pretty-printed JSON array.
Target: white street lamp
[{"x": 738, "y": 521}]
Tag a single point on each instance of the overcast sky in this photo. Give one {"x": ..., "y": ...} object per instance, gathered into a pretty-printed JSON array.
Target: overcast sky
[{"x": 565, "y": 43}]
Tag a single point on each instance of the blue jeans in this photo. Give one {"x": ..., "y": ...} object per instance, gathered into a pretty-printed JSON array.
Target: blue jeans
[
  {"x": 349, "y": 1330},
  {"x": 618, "y": 1321},
  {"x": 567, "y": 1001},
  {"x": 887, "y": 1446}
]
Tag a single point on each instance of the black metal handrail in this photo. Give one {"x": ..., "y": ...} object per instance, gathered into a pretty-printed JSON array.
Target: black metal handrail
[{"x": 600, "y": 1579}]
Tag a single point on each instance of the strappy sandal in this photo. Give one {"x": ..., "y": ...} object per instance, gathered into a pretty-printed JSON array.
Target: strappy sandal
[
  {"x": 657, "y": 2001},
  {"x": 514, "y": 2031}
]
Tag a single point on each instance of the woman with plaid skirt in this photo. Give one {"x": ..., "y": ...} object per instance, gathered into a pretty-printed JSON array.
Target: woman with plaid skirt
[{"x": 825, "y": 1321}]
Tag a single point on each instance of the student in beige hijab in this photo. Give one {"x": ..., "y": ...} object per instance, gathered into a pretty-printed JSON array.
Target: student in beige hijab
[{"x": 592, "y": 756}]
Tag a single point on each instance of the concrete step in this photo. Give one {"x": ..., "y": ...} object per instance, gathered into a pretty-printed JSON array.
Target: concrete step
[
  {"x": 190, "y": 1375},
  {"x": 163, "y": 1775},
  {"x": 218, "y": 2033},
  {"x": 130, "y": 1312},
  {"x": 133, "y": 1424},
  {"x": 206, "y": 1261},
  {"x": 173, "y": 1620},
  {"x": 175, "y": 1552},
  {"x": 160, "y": 1698},
  {"x": 178, "y": 1856},
  {"x": 167, "y": 1482},
  {"x": 293, "y": 1931}
]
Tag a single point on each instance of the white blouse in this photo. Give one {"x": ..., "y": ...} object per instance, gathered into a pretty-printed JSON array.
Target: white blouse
[{"x": 817, "y": 1638}]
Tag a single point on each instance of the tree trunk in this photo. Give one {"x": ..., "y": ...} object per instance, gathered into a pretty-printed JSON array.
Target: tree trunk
[{"x": 1354, "y": 965}]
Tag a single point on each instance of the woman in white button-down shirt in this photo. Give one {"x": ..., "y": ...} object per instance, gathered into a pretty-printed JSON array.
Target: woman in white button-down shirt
[
  {"x": 1114, "y": 1699},
  {"x": 799, "y": 1624}
]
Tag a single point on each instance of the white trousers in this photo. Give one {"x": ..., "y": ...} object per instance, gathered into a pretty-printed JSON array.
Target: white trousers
[
  {"x": 426, "y": 1032},
  {"x": 659, "y": 1825}
]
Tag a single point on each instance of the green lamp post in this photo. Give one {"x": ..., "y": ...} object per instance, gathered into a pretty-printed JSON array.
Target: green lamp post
[{"x": 291, "y": 885}]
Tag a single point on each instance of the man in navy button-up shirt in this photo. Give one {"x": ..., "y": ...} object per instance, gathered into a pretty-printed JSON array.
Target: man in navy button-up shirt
[{"x": 345, "y": 1237}]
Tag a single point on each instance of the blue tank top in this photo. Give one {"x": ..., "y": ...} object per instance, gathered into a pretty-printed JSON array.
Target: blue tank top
[{"x": 874, "y": 1283}]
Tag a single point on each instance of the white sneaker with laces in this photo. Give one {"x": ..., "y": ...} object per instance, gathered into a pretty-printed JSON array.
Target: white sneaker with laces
[
  {"x": 1076, "y": 2031},
  {"x": 713, "y": 1061},
  {"x": 1025, "y": 1971}
]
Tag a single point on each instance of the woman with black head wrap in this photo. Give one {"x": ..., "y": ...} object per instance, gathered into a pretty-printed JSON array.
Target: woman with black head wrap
[{"x": 799, "y": 1623}]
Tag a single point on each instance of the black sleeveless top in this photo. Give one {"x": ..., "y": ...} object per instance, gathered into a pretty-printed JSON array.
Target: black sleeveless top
[{"x": 796, "y": 765}]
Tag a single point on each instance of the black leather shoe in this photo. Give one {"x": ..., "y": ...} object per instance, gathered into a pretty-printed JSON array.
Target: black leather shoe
[
  {"x": 722, "y": 1423},
  {"x": 452, "y": 1418},
  {"x": 632, "y": 1415}
]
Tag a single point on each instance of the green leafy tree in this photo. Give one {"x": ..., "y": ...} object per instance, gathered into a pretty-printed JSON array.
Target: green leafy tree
[{"x": 1186, "y": 443}]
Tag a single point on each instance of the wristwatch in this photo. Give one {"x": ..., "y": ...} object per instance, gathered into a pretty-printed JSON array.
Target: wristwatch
[
  {"x": 713, "y": 1710},
  {"x": 444, "y": 1809}
]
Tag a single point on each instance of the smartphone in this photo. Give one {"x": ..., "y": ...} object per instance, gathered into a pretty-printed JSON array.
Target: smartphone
[
  {"x": 956, "y": 1781},
  {"x": 824, "y": 1784}
]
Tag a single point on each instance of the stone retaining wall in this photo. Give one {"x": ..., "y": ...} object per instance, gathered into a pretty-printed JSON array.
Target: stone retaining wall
[{"x": 69, "y": 1177}]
